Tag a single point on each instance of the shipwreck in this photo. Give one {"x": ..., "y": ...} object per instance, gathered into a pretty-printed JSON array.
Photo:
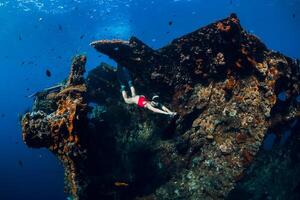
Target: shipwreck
[{"x": 224, "y": 84}]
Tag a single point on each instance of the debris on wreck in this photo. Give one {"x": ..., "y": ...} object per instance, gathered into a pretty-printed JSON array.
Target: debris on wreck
[{"x": 222, "y": 81}]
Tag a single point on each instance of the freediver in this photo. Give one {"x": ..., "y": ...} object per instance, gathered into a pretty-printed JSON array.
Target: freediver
[{"x": 140, "y": 100}]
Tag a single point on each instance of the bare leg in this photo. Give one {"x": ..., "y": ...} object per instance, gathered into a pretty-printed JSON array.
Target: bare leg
[
  {"x": 132, "y": 91},
  {"x": 129, "y": 100},
  {"x": 156, "y": 110},
  {"x": 125, "y": 97}
]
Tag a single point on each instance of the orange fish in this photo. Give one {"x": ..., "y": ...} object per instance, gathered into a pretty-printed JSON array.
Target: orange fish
[{"x": 121, "y": 184}]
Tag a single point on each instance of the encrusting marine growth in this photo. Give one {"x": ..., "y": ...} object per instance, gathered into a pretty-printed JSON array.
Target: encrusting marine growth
[
  {"x": 61, "y": 130},
  {"x": 222, "y": 81}
]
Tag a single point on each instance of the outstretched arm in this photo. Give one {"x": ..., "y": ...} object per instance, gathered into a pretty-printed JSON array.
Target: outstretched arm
[
  {"x": 164, "y": 108},
  {"x": 156, "y": 110}
]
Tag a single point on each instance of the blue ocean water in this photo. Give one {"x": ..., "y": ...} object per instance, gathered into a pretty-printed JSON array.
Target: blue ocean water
[{"x": 40, "y": 35}]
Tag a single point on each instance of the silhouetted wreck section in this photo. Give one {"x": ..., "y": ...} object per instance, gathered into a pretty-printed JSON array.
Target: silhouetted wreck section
[
  {"x": 103, "y": 84},
  {"x": 222, "y": 81}
]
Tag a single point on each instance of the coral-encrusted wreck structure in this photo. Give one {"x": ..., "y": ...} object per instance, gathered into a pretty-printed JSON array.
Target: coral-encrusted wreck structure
[
  {"x": 61, "y": 128},
  {"x": 224, "y": 84}
]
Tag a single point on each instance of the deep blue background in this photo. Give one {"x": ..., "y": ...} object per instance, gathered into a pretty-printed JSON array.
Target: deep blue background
[{"x": 30, "y": 34}]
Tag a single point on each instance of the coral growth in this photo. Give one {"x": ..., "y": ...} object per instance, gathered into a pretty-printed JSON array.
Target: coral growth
[{"x": 62, "y": 130}]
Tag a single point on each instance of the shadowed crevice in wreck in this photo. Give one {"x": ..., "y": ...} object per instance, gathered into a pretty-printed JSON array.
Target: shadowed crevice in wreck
[
  {"x": 222, "y": 81},
  {"x": 273, "y": 172}
]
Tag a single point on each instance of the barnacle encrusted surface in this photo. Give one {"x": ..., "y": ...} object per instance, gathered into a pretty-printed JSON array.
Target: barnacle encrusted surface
[{"x": 222, "y": 81}]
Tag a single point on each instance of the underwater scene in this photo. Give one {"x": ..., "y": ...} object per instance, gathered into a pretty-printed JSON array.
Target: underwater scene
[{"x": 150, "y": 100}]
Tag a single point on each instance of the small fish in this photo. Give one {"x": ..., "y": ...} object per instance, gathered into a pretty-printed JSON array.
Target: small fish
[
  {"x": 20, "y": 163},
  {"x": 23, "y": 62},
  {"x": 60, "y": 27},
  {"x": 170, "y": 23},
  {"x": 59, "y": 57},
  {"x": 294, "y": 15},
  {"x": 20, "y": 37},
  {"x": 121, "y": 184},
  {"x": 82, "y": 36},
  {"x": 48, "y": 73}
]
